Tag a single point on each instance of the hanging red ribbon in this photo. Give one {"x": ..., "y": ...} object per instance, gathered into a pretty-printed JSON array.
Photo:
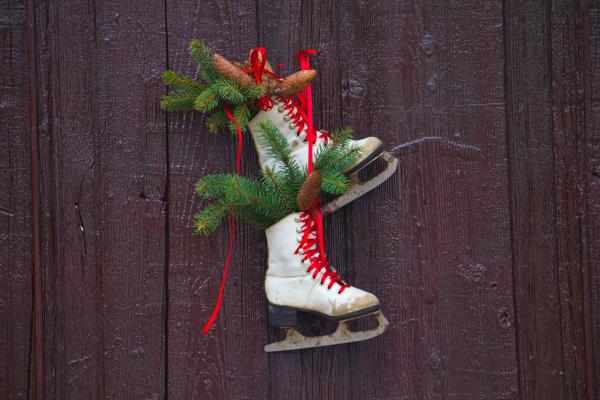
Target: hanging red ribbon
[
  {"x": 306, "y": 99},
  {"x": 238, "y": 162},
  {"x": 258, "y": 60}
]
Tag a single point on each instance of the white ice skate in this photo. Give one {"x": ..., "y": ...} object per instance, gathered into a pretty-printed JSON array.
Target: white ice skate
[
  {"x": 288, "y": 117},
  {"x": 299, "y": 279}
]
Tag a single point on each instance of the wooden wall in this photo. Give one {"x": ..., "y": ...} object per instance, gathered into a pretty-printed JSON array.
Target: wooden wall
[{"x": 484, "y": 248}]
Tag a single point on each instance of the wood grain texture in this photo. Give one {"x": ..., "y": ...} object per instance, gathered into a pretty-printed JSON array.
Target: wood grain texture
[
  {"x": 546, "y": 137},
  {"x": 16, "y": 222},
  {"x": 592, "y": 94},
  {"x": 483, "y": 248},
  {"x": 593, "y": 182},
  {"x": 436, "y": 97},
  {"x": 104, "y": 183},
  {"x": 230, "y": 362},
  {"x": 438, "y": 102},
  {"x": 569, "y": 81}
]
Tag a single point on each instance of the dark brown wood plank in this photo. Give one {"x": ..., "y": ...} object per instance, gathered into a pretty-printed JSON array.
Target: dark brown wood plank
[
  {"x": 433, "y": 242},
  {"x": 104, "y": 183},
  {"x": 546, "y": 133},
  {"x": 229, "y": 363},
  {"x": 435, "y": 92},
  {"x": 569, "y": 86},
  {"x": 16, "y": 222},
  {"x": 593, "y": 181}
]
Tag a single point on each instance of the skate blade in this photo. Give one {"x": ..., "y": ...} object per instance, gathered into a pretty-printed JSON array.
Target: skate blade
[
  {"x": 294, "y": 340},
  {"x": 358, "y": 188}
]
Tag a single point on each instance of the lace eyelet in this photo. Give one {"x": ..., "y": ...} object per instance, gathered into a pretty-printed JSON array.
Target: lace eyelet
[
  {"x": 286, "y": 117},
  {"x": 292, "y": 125},
  {"x": 280, "y": 109}
]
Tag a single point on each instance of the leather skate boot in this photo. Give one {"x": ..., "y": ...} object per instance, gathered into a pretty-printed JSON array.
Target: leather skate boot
[
  {"x": 299, "y": 279},
  {"x": 288, "y": 116}
]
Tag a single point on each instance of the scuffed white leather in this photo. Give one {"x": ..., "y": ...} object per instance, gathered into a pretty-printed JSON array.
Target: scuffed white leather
[
  {"x": 298, "y": 146},
  {"x": 288, "y": 283}
]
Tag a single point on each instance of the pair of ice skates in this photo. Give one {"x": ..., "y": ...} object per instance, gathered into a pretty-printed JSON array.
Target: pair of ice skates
[{"x": 299, "y": 277}]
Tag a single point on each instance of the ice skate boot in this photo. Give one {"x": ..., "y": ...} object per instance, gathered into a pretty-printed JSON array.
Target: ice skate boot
[
  {"x": 299, "y": 279},
  {"x": 287, "y": 115}
]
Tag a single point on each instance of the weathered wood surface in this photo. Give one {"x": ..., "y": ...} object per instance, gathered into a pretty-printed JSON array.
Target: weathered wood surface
[
  {"x": 483, "y": 248},
  {"x": 547, "y": 98},
  {"x": 16, "y": 228}
]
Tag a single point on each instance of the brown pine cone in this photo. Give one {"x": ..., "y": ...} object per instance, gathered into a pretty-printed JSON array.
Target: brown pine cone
[
  {"x": 295, "y": 82},
  {"x": 230, "y": 71},
  {"x": 309, "y": 191}
]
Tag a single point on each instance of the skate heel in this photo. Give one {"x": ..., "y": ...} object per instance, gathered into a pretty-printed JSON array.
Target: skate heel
[{"x": 280, "y": 317}]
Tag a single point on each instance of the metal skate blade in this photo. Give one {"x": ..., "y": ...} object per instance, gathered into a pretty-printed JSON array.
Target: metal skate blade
[
  {"x": 294, "y": 340},
  {"x": 358, "y": 188}
]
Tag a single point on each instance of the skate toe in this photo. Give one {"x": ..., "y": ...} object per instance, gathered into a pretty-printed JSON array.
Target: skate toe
[{"x": 365, "y": 302}]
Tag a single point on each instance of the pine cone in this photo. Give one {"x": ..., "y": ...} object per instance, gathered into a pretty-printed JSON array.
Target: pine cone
[
  {"x": 295, "y": 82},
  {"x": 271, "y": 83},
  {"x": 230, "y": 71},
  {"x": 309, "y": 191},
  {"x": 242, "y": 64}
]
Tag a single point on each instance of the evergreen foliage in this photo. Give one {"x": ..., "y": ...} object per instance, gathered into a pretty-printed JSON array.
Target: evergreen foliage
[
  {"x": 212, "y": 94},
  {"x": 264, "y": 202}
]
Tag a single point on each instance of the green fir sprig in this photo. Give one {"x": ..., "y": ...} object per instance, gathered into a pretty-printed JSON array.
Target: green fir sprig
[
  {"x": 211, "y": 94},
  {"x": 265, "y": 201}
]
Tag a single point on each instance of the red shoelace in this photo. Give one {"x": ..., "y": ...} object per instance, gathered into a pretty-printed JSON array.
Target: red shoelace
[
  {"x": 295, "y": 111},
  {"x": 311, "y": 243},
  {"x": 312, "y": 248}
]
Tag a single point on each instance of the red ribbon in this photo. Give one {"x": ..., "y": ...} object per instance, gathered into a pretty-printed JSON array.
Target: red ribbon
[
  {"x": 258, "y": 60},
  {"x": 306, "y": 99},
  {"x": 238, "y": 163},
  {"x": 258, "y": 68},
  {"x": 258, "y": 63}
]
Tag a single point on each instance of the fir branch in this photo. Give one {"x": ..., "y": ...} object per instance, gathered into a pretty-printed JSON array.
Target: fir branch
[
  {"x": 250, "y": 198},
  {"x": 335, "y": 183},
  {"x": 203, "y": 57},
  {"x": 173, "y": 78},
  {"x": 228, "y": 91},
  {"x": 341, "y": 136},
  {"x": 343, "y": 159},
  {"x": 278, "y": 147},
  {"x": 216, "y": 120},
  {"x": 241, "y": 113},
  {"x": 208, "y": 220},
  {"x": 275, "y": 183},
  {"x": 206, "y": 101},
  {"x": 178, "y": 101},
  {"x": 215, "y": 186},
  {"x": 255, "y": 91},
  {"x": 336, "y": 156}
]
